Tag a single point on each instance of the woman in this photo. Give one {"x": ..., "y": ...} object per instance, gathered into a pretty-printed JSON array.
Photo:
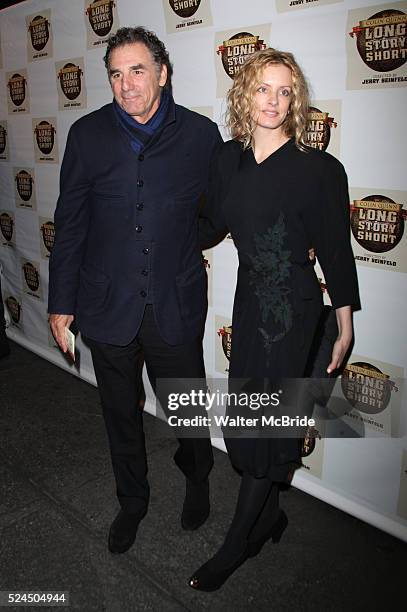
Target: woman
[{"x": 278, "y": 199}]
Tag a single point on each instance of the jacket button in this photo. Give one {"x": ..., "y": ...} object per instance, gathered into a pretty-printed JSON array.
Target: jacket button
[
  {"x": 143, "y": 294},
  {"x": 144, "y": 272},
  {"x": 141, "y": 157},
  {"x": 146, "y": 251},
  {"x": 140, "y": 183},
  {"x": 140, "y": 206},
  {"x": 138, "y": 228}
]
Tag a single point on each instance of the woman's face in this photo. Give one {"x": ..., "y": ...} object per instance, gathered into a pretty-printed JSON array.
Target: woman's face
[{"x": 272, "y": 98}]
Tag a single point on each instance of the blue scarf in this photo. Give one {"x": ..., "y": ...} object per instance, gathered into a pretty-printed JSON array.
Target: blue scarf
[{"x": 140, "y": 134}]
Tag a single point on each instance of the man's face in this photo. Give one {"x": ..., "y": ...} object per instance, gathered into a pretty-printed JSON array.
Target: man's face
[{"x": 136, "y": 80}]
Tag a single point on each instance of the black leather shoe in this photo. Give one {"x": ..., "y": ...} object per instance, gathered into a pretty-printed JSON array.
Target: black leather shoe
[
  {"x": 206, "y": 579},
  {"x": 196, "y": 506},
  {"x": 275, "y": 532},
  {"x": 123, "y": 531}
]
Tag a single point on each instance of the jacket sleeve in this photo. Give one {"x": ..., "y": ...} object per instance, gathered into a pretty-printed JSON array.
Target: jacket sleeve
[
  {"x": 331, "y": 236},
  {"x": 72, "y": 216}
]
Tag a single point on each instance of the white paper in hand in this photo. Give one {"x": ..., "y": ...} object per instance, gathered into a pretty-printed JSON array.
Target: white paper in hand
[{"x": 70, "y": 341}]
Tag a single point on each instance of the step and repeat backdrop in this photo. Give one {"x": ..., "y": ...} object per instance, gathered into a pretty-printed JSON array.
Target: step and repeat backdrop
[{"x": 354, "y": 55}]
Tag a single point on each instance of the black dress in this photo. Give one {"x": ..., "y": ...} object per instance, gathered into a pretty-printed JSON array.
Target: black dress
[{"x": 276, "y": 211}]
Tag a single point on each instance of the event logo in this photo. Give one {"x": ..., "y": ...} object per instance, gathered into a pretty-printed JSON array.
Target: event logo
[
  {"x": 377, "y": 223},
  {"x": 182, "y": 15},
  {"x": 39, "y": 35},
  {"x": 225, "y": 333},
  {"x": 185, "y": 8},
  {"x": 14, "y": 308},
  {"x": 237, "y": 49},
  {"x": 70, "y": 80},
  {"x": 100, "y": 15},
  {"x": 381, "y": 40},
  {"x": 39, "y": 32},
  {"x": 45, "y": 136},
  {"x": 3, "y": 139},
  {"x": 366, "y": 387},
  {"x": 18, "y": 100},
  {"x": 48, "y": 235},
  {"x": 319, "y": 128},
  {"x": 17, "y": 89},
  {"x": 72, "y": 85},
  {"x": 31, "y": 276},
  {"x": 6, "y": 226},
  {"x": 24, "y": 184}
]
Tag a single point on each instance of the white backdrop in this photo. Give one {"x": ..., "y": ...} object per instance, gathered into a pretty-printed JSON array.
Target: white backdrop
[{"x": 354, "y": 55}]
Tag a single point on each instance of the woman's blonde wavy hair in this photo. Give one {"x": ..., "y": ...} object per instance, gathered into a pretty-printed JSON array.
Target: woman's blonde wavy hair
[{"x": 240, "y": 98}]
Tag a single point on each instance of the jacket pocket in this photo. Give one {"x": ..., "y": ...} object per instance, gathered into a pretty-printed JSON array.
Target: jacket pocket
[
  {"x": 106, "y": 195},
  {"x": 94, "y": 287}
]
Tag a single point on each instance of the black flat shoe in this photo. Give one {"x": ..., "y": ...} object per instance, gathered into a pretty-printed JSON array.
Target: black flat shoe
[
  {"x": 196, "y": 506},
  {"x": 123, "y": 531},
  {"x": 209, "y": 580},
  {"x": 275, "y": 532}
]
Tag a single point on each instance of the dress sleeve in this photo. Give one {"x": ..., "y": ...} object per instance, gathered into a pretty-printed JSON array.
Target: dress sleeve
[
  {"x": 331, "y": 236},
  {"x": 212, "y": 224}
]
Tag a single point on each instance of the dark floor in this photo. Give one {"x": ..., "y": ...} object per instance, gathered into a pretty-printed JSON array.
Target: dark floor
[{"x": 57, "y": 501}]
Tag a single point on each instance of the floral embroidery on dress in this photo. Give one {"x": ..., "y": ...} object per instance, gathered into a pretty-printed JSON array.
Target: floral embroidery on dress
[{"x": 271, "y": 270}]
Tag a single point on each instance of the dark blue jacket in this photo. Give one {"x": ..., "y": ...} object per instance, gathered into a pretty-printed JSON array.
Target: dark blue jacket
[{"x": 127, "y": 229}]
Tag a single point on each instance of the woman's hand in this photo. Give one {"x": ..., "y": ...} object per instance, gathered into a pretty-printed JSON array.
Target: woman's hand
[{"x": 342, "y": 344}]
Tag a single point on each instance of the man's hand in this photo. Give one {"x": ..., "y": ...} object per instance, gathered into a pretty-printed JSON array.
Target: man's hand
[{"x": 57, "y": 323}]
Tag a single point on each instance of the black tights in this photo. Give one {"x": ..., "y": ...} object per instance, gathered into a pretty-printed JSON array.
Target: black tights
[
  {"x": 256, "y": 509},
  {"x": 269, "y": 513}
]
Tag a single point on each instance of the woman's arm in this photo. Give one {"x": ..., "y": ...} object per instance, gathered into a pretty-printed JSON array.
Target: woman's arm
[
  {"x": 331, "y": 238},
  {"x": 329, "y": 229},
  {"x": 212, "y": 223},
  {"x": 342, "y": 343}
]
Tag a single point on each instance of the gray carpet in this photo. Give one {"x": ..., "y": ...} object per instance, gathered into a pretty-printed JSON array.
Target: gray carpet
[{"x": 57, "y": 500}]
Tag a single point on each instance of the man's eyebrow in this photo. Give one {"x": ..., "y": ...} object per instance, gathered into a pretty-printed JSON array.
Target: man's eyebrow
[{"x": 135, "y": 67}]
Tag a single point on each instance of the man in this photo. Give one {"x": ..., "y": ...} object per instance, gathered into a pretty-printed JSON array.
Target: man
[{"x": 126, "y": 262}]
